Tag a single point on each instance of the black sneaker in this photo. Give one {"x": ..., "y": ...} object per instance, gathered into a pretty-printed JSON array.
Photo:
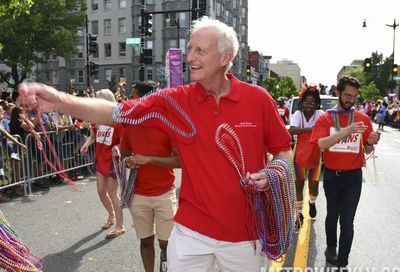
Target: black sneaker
[
  {"x": 299, "y": 221},
  {"x": 312, "y": 210},
  {"x": 331, "y": 255}
]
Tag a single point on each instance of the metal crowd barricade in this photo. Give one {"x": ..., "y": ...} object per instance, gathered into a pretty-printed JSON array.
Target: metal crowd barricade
[
  {"x": 66, "y": 145},
  {"x": 14, "y": 170}
]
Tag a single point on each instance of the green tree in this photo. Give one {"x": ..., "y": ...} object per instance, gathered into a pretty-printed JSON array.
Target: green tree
[
  {"x": 282, "y": 86},
  {"x": 370, "y": 92},
  {"x": 51, "y": 27},
  {"x": 380, "y": 72},
  {"x": 14, "y": 7}
]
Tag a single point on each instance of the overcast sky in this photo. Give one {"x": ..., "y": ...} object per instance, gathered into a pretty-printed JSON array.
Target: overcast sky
[{"x": 323, "y": 35}]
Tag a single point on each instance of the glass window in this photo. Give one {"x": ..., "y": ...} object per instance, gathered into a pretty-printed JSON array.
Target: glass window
[
  {"x": 183, "y": 20},
  {"x": 182, "y": 43},
  {"x": 121, "y": 74},
  {"x": 122, "y": 4},
  {"x": 80, "y": 51},
  {"x": 218, "y": 9},
  {"x": 80, "y": 76},
  {"x": 80, "y": 32},
  {"x": 149, "y": 73},
  {"x": 243, "y": 31},
  {"x": 149, "y": 44},
  {"x": 107, "y": 50},
  {"x": 107, "y": 26},
  {"x": 226, "y": 15},
  {"x": 95, "y": 4},
  {"x": 107, "y": 4},
  {"x": 172, "y": 43},
  {"x": 108, "y": 72},
  {"x": 122, "y": 49},
  {"x": 243, "y": 14},
  {"x": 234, "y": 4},
  {"x": 150, "y": 1},
  {"x": 122, "y": 25},
  {"x": 95, "y": 27}
]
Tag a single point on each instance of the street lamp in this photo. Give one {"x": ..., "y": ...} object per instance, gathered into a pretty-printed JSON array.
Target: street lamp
[
  {"x": 394, "y": 25},
  {"x": 172, "y": 22}
]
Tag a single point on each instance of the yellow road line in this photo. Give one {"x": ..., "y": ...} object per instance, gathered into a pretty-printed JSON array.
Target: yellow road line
[{"x": 301, "y": 256}]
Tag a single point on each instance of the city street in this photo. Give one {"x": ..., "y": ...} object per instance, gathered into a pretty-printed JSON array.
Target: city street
[{"x": 62, "y": 225}]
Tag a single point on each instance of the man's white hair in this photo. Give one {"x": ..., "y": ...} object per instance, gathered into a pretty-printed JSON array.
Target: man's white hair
[{"x": 227, "y": 42}]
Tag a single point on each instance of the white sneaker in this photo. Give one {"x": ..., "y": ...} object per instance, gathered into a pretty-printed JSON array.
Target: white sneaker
[{"x": 15, "y": 156}]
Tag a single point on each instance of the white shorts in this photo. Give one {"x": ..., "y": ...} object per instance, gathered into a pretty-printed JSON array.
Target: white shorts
[{"x": 191, "y": 251}]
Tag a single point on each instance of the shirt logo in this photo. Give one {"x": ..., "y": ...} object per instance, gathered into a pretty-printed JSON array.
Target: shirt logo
[{"x": 245, "y": 124}]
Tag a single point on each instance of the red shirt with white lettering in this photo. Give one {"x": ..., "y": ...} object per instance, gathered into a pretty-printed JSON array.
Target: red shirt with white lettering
[
  {"x": 106, "y": 138},
  {"x": 342, "y": 160},
  {"x": 211, "y": 199}
]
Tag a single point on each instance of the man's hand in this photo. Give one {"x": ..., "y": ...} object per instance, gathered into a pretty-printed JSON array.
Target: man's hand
[
  {"x": 260, "y": 179},
  {"x": 46, "y": 97},
  {"x": 373, "y": 138},
  {"x": 136, "y": 160},
  {"x": 357, "y": 127}
]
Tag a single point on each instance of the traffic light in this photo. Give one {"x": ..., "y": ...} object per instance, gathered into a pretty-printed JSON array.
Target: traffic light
[
  {"x": 147, "y": 56},
  {"x": 148, "y": 24},
  {"x": 367, "y": 64},
  {"x": 248, "y": 70},
  {"x": 194, "y": 12},
  {"x": 92, "y": 44},
  {"x": 395, "y": 69},
  {"x": 203, "y": 8},
  {"x": 93, "y": 68}
]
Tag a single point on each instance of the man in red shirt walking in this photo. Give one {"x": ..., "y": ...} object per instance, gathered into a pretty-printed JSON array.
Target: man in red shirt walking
[
  {"x": 153, "y": 206},
  {"x": 211, "y": 222},
  {"x": 283, "y": 110},
  {"x": 344, "y": 135}
]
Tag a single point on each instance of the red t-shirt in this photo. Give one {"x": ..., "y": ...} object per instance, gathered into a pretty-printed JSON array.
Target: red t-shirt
[
  {"x": 211, "y": 200},
  {"x": 343, "y": 156},
  {"x": 283, "y": 111},
  {"x": 151, "y": 180},
  {"x": 106, "y": 138}
]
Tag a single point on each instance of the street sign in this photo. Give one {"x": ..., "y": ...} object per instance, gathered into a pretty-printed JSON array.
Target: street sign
[
  {"x": 132, "y": 41},
  {"x": 396, "y": 77}
]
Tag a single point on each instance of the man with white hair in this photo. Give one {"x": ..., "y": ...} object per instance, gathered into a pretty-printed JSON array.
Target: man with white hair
[{"x": 211, "y": 221}]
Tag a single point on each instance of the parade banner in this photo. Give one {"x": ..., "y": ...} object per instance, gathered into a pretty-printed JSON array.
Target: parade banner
[{"x": 173, "y": 67}]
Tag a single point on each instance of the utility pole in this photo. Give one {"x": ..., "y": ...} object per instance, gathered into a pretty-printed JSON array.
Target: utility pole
[{"x": 87, "y": 54}]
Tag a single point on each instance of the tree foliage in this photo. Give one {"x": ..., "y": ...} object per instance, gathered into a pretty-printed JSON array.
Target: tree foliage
[
  {"x": 380, "y": 72},
  {"x": 14, "y": 7},
  {"x": 50, "y": 28},
  {"x": 282, "y": 86},
  {"x": 370, "y": 92}
]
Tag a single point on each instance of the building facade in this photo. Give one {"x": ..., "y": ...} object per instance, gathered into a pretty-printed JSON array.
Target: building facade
[
  {"x": 115, "y": 21},
  {"x": 290, "y": 69}
]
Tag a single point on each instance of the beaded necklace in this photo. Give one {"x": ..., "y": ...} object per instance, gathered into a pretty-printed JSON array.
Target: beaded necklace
[
  {"x": 14, "y": 255},
  {"x": 272, "y": 208},
  {"x": 126, "y": 182},
  {"x": 120, "y": 116},
  {"x": 336, "y": 120}
]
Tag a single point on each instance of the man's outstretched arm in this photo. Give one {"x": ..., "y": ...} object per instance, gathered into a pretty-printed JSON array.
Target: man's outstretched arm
[{"x": 47, "y": 98}]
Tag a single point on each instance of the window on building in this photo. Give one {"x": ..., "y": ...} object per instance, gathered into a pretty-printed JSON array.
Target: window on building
[
  {"x": 234, "y": 4},
  {"x": 243, "y": 31},
  {"x": 149, "y": 44},
  {"x": 122, "y": 74},
  {"x": 80, "y": 76},
  {"x": 218, "y": 9},
  {"x": 122, "y": 25},
  {"x": 96, "y": 54},
  {"x": 182, "y": 44},
  {"x": 71, "y": 75},
  {"x": 107, "y": 27},
  {"x": 122, "y": 49},
  {"x": 80, "y": 51},
  {"x": 80, "y": 32},
  {"x": 107, "y": 4},
  {"x": 108, "y": 73},
  {"x": 149, "y": 73},
  {"x": 55, "y": 77},
  {"x": 172, "y": 43},
  {"x": 107, "y": 50},
  {"x": 183, "y": 19},
  {"x": 227, "y": 16},
  {"x": 122, "y": 4},
  {"x": 95, "y": 27},
  {"x": 243, "y": 12},
  {"x": 151, "y": 2},
  {"x": 95, "y": 5}
]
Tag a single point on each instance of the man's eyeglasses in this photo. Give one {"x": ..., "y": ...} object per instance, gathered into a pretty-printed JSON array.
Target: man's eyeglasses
[{"x": 349, "y": 96}]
